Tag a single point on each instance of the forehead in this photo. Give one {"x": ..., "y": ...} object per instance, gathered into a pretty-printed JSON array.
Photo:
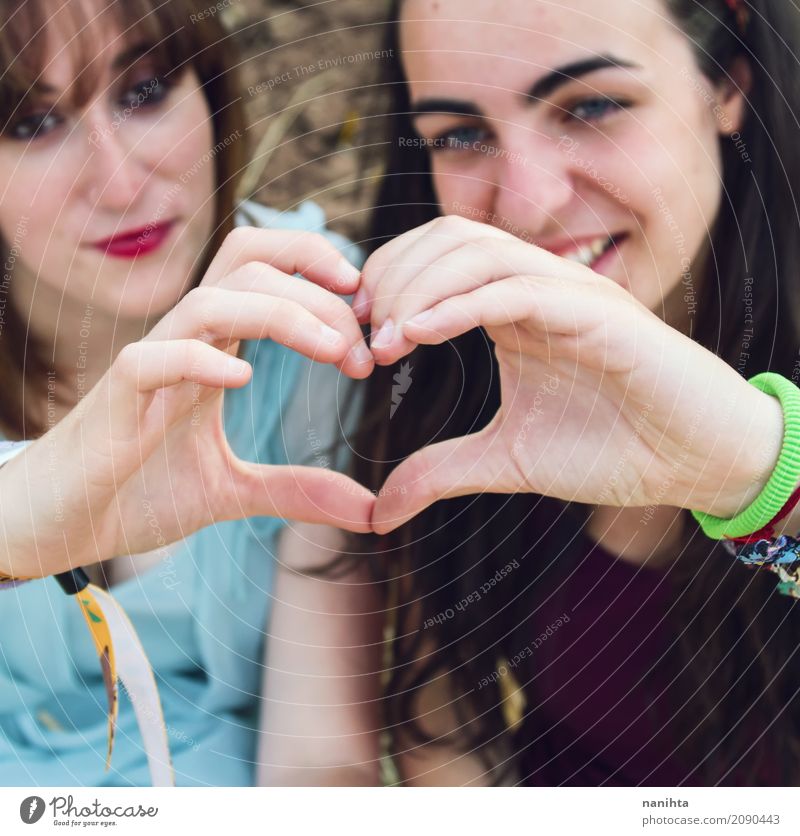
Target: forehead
[
  {"x": 446, "y": 42},
  {"x": 79, "y": 39}
]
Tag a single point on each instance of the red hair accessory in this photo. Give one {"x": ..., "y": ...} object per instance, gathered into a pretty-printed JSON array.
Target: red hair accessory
[{"x": 739, "y": 8}]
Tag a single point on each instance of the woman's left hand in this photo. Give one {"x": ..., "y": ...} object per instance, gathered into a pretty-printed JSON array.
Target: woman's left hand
[{"x": 601, "y": 401}]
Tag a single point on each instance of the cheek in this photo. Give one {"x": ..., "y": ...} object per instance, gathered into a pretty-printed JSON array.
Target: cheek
[
  {"x": 459, "y": 194},
  {"x": 670, "y": 174},
  {"x": 686, "y": 194},
  {"x": 185, "y": 166},
  {"x": 184, "y": 143},
  {"x": 36, "y": 196}
]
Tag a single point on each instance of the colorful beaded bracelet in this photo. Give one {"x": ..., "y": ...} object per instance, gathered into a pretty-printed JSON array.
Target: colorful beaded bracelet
[{"x": 780, "y": 555}]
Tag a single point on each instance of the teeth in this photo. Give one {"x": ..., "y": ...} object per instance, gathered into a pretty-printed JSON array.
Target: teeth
[{"x": 586, "y": 254}]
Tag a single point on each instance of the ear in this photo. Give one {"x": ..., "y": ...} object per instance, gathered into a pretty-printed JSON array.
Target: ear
[{"x": 732, "y": 93}]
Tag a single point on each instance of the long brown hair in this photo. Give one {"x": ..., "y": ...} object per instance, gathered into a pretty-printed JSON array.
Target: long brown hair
[
  {"x": 732, "y": 664},
  {"x": 177, "y": 35}
]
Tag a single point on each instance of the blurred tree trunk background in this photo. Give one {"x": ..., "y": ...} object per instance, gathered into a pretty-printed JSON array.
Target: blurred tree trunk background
[{"x": 311, "y": 74}]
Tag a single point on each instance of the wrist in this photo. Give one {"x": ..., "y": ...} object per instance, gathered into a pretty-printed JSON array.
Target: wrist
[
  {"x": 9, "y": 567},
  {"x": 744, "y": 464}
]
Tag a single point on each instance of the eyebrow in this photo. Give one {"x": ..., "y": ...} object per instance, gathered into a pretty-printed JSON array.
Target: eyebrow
[
  {"x": 122, "y": 62},
  {"x": 540, "y": 89}
]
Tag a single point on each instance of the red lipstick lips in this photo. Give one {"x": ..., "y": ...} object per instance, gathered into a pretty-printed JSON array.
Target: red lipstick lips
[{"x": 136, "y": 242}]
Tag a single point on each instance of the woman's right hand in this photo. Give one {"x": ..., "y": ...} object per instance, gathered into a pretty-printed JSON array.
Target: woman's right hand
[{"x": 143, "y": 459}]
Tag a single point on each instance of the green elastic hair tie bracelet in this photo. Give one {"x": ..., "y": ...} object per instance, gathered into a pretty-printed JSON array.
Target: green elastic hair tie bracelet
[{"x": 785, "y": 477}]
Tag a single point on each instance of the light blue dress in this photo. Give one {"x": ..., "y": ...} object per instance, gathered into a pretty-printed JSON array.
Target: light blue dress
[{"x": 201, "y": 615}]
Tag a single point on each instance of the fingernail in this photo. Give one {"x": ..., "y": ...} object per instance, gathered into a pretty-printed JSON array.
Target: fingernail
[
  {"x": 361, "y": 354},
  {"x": 330, "y": 336},
  {"x": 236, "y": 367},
  {"x": 420, "y": 318},
  {"x": 360, "y": 302},
  {"x": 348, "y": 273},
  {"x": 384, "y": 336}
]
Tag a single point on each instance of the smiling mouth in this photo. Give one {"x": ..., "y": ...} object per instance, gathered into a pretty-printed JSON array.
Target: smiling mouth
[{"x": 588, "y": 254}]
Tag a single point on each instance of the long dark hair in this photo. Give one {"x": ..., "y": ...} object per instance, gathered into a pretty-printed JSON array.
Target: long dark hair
[
  {"x": 178, "y": 35},
  {"x": 731, "y": 665}
]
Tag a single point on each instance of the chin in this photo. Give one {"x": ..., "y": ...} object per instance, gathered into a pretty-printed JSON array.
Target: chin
[{"x": 149, "y": 303}]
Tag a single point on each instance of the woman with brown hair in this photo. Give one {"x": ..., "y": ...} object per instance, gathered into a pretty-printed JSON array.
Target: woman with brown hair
[
  {"x": 125, "y": 301},
  {"x": 586, "y": 244}
]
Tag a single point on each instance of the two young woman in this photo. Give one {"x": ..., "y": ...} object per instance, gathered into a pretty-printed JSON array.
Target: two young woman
[{"x": 561, "y": 619}]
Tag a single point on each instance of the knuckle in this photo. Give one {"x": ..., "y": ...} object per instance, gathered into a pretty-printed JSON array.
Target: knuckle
[
  {"x": 314, "y": 242},
  {"x": 128, "y": 360},
  {"x": 373, "y": 266},
  {"x": 240, "y": 237},
  {"x": 337, "y": 310},
  {"x": 283, "y": 311},
  {"x": 421, "y": 471},
  {"x": 193, "y": 353},
  {"x": 488, "y": 243},
  {"x": 251, "y": 273},
  {"x": 442, "y": 226},
  {"x": 374, "y": 270},
  {"x": 451, "y": 226},
  {"x": 199, "y": 302},
  {"x": 300, "y": 247}
]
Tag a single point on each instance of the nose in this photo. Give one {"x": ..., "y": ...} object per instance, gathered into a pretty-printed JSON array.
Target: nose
[
  {"x": 534, "y": 183},
  {"x": 114, "y": 174}
]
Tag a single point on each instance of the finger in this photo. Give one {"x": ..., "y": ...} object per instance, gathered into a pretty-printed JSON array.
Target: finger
[
  {"x": 446, "y": 237},
  {"x": 441, "y": 471},
  {"x": 544, "y": 308},
  {"x": 326, "y": 305},
  {"x": 307, "y": 253},
  {"x": 376, "y": 264},
  {"x": 477, "y": 263},
  {"x": 146, "y": 366},
  {"x": 391, "y": 267},
  {"x": 304, "y": 317},
  {"x": 302, "y": 494},
  {"x": 113, "y": 411}
]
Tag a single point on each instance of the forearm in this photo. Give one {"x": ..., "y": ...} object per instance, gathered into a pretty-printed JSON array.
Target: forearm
[{"x": 321, "y": 691}]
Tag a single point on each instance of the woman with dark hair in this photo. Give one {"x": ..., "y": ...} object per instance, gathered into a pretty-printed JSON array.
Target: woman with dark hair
[
  {"x": 125, "y": 300},
  {"x": 561, "y": 618}
]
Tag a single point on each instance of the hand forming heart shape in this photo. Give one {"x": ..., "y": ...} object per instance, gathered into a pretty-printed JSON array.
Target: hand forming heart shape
[
  {"x": 150, "y": 433},
  {"x": 601, "y": 401}
]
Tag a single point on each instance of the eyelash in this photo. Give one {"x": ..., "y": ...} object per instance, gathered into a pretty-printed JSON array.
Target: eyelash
[
  {"x": 147, "y": 93},
  {"x": 611, "y": 106},
  {"x": 445, "y": 141},
  {"x": 151, "y": 91}
]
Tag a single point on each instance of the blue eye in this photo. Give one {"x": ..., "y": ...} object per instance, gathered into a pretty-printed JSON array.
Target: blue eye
[
  {"x": 462, "y": 138},
  {"x": 34, "y": 125},
  {"x": 593, "y": 110}
]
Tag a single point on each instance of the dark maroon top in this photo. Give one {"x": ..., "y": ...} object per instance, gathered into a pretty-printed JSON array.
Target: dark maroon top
[
  {"x": 598, "y": 715},
  {"x": 601, "y": 714}
]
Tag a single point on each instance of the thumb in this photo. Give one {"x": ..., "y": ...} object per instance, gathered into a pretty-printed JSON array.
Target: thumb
[
  {"x": 302, "y": 494},
  {"x": 457, "y": 467}
]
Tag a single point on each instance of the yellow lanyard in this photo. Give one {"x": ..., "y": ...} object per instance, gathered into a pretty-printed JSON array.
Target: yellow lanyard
[{"x": 122, "y": 659}]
